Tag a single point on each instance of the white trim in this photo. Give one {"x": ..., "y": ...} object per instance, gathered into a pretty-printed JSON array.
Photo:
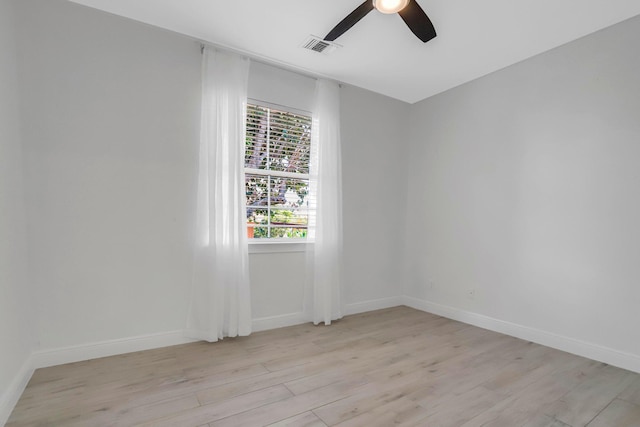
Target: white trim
[
  {"x": 268, "y": 246},
  {"x": 45, "y": 358},
  {"x": 281, "y": 321},
  {"x": 581, "y": 348},
  {"x": 279, "y": 174},
  {"x": 11, "y": 396},
  {"x": 274, "y": 322},
  {"x": 77, "y": 353},
  {"x": 371, "y": 305}
]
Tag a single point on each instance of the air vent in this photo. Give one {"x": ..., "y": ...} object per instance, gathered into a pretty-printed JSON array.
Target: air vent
[{"x": 316, "y": 44}]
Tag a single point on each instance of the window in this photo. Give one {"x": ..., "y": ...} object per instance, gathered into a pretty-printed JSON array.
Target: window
[{"x": 278, "y": 146}]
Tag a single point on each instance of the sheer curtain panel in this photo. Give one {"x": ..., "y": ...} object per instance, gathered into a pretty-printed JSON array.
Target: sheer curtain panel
[
  {"x": 220, "y": 303},
  {"x": 323, "y": 296}
]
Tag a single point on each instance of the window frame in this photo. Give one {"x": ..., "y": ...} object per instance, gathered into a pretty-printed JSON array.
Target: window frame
[{"x": 277, "y": 244}]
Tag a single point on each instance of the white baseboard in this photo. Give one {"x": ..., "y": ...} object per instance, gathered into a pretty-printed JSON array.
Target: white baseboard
[
  {"x": 77, "y": 353},
  {"x": 45, "y": 358},
  {"x": 371, "y": 305},
  {"x": 274, "y": 322},
  {"x": 11, "y": 396},
  {"x": 607, "y": 355}
]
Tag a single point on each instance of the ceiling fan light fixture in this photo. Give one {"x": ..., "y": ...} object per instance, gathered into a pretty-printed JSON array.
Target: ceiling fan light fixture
[{"x": 390, "y": 6}]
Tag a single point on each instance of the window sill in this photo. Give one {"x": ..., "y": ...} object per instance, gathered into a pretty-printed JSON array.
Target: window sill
[{"x": 259, "y": 246}]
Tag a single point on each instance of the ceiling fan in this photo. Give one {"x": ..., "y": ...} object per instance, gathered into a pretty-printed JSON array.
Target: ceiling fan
[{"x": 409, "y": 10}]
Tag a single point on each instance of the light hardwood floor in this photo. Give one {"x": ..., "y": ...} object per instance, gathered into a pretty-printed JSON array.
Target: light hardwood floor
[{"x": 389, "y": 367}]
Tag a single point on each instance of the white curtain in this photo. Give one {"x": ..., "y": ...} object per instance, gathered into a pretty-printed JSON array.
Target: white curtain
[
  {"x": 323, "y": 296},
  {"x": 220, "y": 303}
]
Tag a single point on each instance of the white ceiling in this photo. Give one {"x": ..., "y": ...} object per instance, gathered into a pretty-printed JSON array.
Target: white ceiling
[{"x": 475, "y": 37}]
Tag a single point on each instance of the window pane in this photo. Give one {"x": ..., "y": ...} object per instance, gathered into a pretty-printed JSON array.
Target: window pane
[
  {"x": 279, "y": 141},
  {"x": 290, "y": 142},
  {"x": 260, "y": 233},
  {"x": 291, "y": 217},
  {"x": 257, "y": 216},
  {"x": 288, "y": 232},
  {"x": 289, "y": 192},
  {"x": 256, "y": 190},
  {"x": 257, "y": 137}
]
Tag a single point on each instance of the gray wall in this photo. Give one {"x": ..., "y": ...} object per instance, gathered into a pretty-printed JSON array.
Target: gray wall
[
  {"x": 112, "y": 145},
  {"x": 113, "y": 113},
  {"x": 373, "y": 136},
  {"x": 16, "y": 332},
  {"x": 524, "y": 186}
]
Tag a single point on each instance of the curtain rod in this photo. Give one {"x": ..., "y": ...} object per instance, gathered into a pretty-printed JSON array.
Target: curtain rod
[{"x": 266, "y": 61}]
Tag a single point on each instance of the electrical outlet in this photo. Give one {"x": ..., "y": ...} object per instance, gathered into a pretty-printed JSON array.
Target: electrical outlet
[{"x": 471, "y": 293}]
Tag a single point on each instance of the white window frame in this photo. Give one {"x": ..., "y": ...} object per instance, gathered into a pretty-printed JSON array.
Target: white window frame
[{"x": 274, "y": 244}]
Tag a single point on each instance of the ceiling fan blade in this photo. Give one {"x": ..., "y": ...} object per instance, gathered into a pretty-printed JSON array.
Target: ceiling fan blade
[
  {"x": 351, "y": 19},
  {"x": 418, "y": 21}
]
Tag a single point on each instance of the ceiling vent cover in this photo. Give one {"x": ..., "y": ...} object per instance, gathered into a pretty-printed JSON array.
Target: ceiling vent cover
[{"x": 316, "y": 44}]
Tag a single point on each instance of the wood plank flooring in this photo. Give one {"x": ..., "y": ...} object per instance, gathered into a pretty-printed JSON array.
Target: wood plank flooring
[{"x": 389, "y": 367}]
